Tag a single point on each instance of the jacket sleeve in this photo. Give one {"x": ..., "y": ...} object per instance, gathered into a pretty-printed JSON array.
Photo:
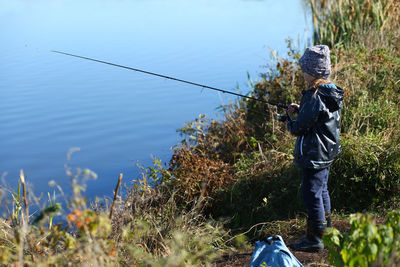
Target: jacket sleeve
[{"x": 308, "y": 116}]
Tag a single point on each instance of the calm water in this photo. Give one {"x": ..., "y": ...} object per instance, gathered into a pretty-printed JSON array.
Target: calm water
[{"x": 50, "y": 103}]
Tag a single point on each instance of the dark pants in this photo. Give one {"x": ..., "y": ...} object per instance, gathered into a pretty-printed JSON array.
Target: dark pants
[{"x": 315, "y": 193}]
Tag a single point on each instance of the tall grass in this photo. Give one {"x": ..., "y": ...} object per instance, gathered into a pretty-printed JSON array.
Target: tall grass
[{"x": 338, "y": 23}]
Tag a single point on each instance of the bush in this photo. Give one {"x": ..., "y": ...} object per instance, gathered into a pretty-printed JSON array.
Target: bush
[
  {"x": 367, "y": 244},
  {"x": 260, "y": 148},
  {"x": 367, "y": 173}
]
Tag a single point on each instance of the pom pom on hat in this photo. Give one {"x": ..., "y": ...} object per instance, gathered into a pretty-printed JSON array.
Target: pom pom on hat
[{"x": 316, "y": 61}]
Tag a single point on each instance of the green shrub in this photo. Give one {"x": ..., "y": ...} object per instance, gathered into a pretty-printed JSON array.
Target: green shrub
[
  {"x": 367, "y": 244},
  {"x": 260, "y": 197},
  {"x": 279, "y": 84},
  {"x": 367, "y": 173}
]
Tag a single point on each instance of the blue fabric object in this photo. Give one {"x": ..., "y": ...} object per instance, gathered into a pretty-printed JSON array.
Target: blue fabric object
[
  {"x": 315, "y": 193},
  {"x": 273, "y": 253}
]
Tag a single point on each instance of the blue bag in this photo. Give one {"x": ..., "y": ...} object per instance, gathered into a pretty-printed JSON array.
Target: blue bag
[{"x": 272, "y": 253}]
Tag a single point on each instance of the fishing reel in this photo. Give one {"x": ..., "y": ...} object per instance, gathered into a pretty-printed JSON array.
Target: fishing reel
[
  {"x": 282, "y": 118},
  {"x": 286, "y": 117}
]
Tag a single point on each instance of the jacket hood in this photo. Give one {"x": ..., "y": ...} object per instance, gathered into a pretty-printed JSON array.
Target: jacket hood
[{"x": 331, "y": 95}]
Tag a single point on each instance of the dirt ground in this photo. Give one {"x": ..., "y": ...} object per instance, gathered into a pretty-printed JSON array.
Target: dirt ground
[{"x": 307, "y": 259}]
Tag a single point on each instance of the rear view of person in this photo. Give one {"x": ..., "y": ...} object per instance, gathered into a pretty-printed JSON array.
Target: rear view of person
[{"x": 317, "y": 144}]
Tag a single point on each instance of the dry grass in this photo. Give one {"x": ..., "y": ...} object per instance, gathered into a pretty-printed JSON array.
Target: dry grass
[{"x": 339, "y": 23}]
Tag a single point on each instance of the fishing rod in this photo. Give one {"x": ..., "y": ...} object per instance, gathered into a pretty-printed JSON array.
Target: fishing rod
[{"x": 172, "y": 78}]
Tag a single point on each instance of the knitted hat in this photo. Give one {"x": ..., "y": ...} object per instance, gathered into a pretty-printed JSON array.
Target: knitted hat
[{"x": 316, "y": 61}]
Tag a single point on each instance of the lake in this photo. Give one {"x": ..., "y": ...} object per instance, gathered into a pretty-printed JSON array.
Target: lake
[{"x": 50, "y": 103}]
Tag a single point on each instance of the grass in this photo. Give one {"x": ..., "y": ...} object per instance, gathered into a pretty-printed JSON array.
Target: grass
[
  {"x": 340, "y": 23},
  {"x": 232, "y": 182},
  {"x": 147, "y": 229}
]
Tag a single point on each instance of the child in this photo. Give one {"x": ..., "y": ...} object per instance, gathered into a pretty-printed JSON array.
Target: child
[{"x": 317, "y": 145}]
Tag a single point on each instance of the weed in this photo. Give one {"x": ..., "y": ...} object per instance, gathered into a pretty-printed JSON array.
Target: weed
[
  {"x": 367, "y": 244},
  {"x": 339, "y": 23}
]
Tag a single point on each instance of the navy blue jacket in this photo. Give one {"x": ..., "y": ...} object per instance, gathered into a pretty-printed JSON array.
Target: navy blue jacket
[{"x": 317, "y": 127}]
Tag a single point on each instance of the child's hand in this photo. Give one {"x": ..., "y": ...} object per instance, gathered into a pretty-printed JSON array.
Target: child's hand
[{"x": 293, "y": 108}]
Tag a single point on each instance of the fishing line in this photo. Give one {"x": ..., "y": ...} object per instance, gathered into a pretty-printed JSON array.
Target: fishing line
[{"x": 171, "y": 78}]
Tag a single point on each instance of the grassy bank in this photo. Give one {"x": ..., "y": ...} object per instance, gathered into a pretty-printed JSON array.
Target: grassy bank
[{"x": 227, "y": 176}]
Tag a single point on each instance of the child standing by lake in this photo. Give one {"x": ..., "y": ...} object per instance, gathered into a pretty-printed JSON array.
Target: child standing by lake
[{"x": 317, "y": 144}]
